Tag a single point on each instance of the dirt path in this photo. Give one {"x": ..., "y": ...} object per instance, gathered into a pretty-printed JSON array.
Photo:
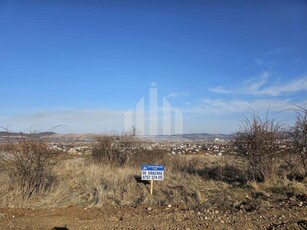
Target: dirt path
[{"x": 151, "y": 218}]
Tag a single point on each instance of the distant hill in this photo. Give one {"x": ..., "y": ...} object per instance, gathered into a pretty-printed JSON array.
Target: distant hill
[
  {"x": 197, "y": 136},
  {"x": 208, "y": 136},
  {"x": 92, "y": 137},
  {"x": 13, "y": 134}
]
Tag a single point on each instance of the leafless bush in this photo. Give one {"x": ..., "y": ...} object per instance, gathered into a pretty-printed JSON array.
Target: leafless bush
[
  {"x": 290, "y": 166},
  {"x": 299, "y": 135},
  {"x": 28, "y": 163},
  {"x": 114, "y": 150},
  {"x": 145, "y": 156},
  {"x": 108, "y": 151},
  {"x": 259, "y": 141},
  {"x": 120, "y": 150}
]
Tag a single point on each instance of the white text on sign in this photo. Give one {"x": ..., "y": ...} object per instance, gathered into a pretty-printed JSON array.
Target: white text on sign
[{"x": 152, "y": 172}]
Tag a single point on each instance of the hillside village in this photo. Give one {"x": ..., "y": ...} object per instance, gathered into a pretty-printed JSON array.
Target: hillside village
[{"x": 83, "y": 146}]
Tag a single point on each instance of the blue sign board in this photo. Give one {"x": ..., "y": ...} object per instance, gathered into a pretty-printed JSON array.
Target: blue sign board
[{"x": 152, "y": 172}]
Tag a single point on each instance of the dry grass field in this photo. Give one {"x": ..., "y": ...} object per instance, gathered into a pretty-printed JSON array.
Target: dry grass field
[
  {"x": 198, "y": 192},
  {"x": 260, "y": 184}
]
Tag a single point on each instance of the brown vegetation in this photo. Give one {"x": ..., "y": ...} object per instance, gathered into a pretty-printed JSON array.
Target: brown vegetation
[
  {"x": 299, "y": 135},
  {"x": 256, "y": 179},
  {"x": 259, "y": 142},
  {"x": 28, "y": 164}
]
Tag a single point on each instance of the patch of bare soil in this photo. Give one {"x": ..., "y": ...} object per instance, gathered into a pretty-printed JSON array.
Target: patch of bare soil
[{"x": 155, "y": 217}]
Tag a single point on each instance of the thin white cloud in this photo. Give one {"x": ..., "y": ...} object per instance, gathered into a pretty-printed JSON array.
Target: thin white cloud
[
  {"x": 225, "y": 116},
  {"x": 224, "y": 107},
  {"x": 293, "y": 86},
  {"x": 178, "y": 94},
  {"x": 261, "y": 87},
  {"x": 254, "y": 85},
  {"x": 69, "y": 120},
  {"x": 250, "y": 86},
  {"x": 259, "y": 61},
  {"x": 274, "y": 51},
  {"x": 220, "y": 89}
]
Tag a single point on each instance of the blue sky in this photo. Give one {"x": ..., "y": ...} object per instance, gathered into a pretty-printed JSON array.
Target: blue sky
[{"x": 82, "y": 64}]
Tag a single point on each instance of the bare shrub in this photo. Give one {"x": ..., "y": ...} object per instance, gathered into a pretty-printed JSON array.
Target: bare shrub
[
  {"x": 102, "y": 150},
  {"x": 259, "y": 141},
  {"x": 108, "y": 150},
  {"x": 28, "y": 163},
  {"x": 290, "y": 166},
  {"x": 145, "y": 156},
  {"x": 299, "y": 138},
  {"x": 120, "y": 150}
]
